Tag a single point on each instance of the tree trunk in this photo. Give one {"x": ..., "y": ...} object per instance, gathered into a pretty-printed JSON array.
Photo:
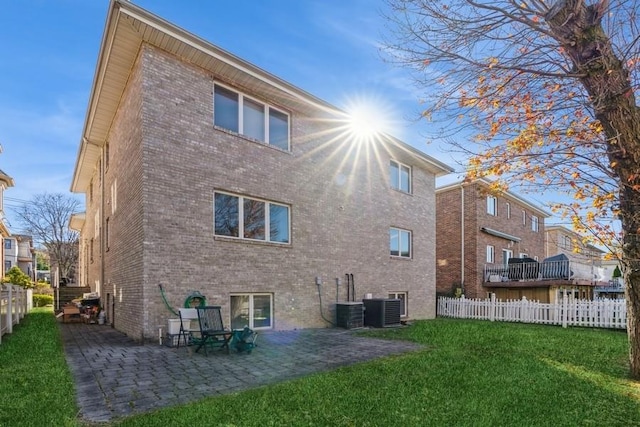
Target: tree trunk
[{"x": 579, "y": 31}]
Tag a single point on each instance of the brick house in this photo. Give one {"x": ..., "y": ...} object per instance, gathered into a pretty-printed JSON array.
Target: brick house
[
  {"x": 476, "y": 229},
  {"x": 203, "y": 172}
]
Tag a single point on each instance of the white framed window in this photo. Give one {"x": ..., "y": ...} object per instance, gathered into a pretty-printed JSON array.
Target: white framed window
[
  {"x": 534, "y": 223},
  {"x": 523, "y": 255},
  {"x": 491, "y": 254},
  {"x": 402, "y": 296},
  {"x": 400, "y": 243},
  {"x": 492, "y": 205},
  {"x": 249, "y": 218},
  {"x": 567, "y": 242},
  {"x": 254, "y": 310},
  {"x": 400, "y": 176},
  {"x": 239, "y": 113},
  {"x": 508, "y": 206}
]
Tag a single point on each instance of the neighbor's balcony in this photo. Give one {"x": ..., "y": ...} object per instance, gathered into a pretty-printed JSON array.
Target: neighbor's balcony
[{"x": 518, "y": 271}]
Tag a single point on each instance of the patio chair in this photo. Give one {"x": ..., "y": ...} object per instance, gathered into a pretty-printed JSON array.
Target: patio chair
[
  {"x": 212, "y": 330},
  {"x": 187, "y": 328}
]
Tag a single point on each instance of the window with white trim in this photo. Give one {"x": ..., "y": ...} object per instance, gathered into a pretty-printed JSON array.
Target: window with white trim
[
  {"x": 491, "y": 254},
  {"x": 400, "y": 243},
  {"x": 534, "y": 223},
  {"x": 492, "y": 205},
  {"x": 239, "y": 113},
  {"x": 402, "y": 296},
  {"x": 249, "y": 218},
  {"x": 252, "y": 310},
  {"x": 400, "y": 176}
]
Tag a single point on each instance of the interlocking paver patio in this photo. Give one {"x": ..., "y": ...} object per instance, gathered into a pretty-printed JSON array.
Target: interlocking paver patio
[{"x": 116, "y": 376}]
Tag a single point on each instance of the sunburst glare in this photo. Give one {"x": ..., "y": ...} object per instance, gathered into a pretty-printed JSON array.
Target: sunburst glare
[{"x": 367, "y": 118}]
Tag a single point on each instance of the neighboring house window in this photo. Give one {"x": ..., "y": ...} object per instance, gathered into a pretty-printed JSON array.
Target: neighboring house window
[
  {"x": 524, "y": 217},
  {"x": 400, "y": 176},
  {"x": 402, "y": 296},
  {"x": 7, "y": 244},
  {"x": 534, "y": 223},
  {"x": 400, "y": 243},
  {"x": 7, "y": 266},
  {"x": 252, "y": 219},
  {"x": 238, "y": 113},
  {"x": 524, "y": 255},
  {"x": 96, "y": 224},
  {"x": 508, "y": 210},
  {"x": 492, "y": 205},
  {"x": 567, "y": 242},
  {"x": 252, "y": 310},
  {"x": 491, "y": 254}
]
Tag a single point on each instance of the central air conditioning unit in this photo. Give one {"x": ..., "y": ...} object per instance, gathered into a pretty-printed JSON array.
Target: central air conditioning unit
[
  {"x": 382, "y": 313},
  {"x": 349, "y": 315}
]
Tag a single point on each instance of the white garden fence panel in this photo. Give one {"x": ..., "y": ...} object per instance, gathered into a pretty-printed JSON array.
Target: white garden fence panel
[
  {"x": 601, "y": 313},
  {"x": 13, "y": 307}
]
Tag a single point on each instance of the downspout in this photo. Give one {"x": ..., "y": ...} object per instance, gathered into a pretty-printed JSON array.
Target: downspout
[
  {"x": 462, "y": 237},
  {"x": 103, "y": 237}
]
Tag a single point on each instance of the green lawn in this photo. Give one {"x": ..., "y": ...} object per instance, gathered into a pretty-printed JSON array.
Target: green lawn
[{"x": 471, "y": 373}]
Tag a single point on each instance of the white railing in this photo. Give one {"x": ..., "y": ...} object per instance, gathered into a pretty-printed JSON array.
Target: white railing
[
  {"x": 546, "y": 270},
  {"x": 602, "y": 313},
  {"x": 14, "y": 303}
]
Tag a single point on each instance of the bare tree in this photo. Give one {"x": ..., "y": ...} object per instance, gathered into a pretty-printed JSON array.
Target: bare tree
[
  {"x": 46, "y": 217},
  {"x": 539, "y": 91}
]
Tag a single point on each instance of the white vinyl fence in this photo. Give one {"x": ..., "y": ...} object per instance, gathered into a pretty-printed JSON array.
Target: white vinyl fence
[
  {"x": 14, "y": 303},
  {"x": 601, "y": 313}
]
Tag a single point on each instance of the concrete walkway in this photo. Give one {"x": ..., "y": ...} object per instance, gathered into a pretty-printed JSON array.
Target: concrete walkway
[{"x": 116, "y": 377}]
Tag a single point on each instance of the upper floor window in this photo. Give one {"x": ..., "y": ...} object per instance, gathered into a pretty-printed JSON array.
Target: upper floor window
[
  {"x": 400, "y": 176},
  {"x": 492, "y": 205},
  {"x": 566, "y": 242},
  {"x": 7, "y": 244},
  {"x": 400, "y": 243},
  {"x": 524, "y": 217},
  {"x": 508, "y": 206},
  {"x": 253, "y": 219},
  {"x": 534, "y": 223},
  {"x": 491, "y": 254},
  {"x": 238, "y": 113}
]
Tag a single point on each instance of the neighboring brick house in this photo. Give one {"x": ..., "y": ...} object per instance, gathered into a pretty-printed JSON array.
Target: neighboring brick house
[
  {"x": 475, "y": 229},
  {"x": 203, "y": 172}
]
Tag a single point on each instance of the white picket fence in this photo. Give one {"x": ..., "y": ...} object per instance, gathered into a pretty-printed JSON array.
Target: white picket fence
[
  {"x": 15, "y": 301},
  {"x": 601, "y": 313}
]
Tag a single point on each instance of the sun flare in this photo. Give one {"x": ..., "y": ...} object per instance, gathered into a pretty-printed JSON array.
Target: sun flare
[{"x": 367, "y": 119}]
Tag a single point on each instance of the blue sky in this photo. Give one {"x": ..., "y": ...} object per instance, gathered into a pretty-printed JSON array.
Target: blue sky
[{"x": 49, "y": 49}]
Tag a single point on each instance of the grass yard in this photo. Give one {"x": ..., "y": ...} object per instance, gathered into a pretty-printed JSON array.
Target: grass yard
[{"x": 471, "y": 373}]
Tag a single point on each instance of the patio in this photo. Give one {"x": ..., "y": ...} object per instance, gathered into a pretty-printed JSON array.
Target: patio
[{"x": 116, "y": 376}]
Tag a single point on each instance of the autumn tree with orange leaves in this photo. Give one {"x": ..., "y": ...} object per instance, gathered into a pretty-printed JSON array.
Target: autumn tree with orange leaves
[{"x": 547, "y": 91}]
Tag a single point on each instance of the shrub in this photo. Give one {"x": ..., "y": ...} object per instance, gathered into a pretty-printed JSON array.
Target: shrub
[
  {"x": 17, "y": 277},
  {"x": 40, "y": 300}
]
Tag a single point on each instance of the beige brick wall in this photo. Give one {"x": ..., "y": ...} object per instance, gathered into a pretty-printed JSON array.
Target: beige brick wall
[{"x": 168, "y": 159}]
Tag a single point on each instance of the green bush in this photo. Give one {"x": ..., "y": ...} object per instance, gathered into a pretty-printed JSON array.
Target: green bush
[
  {"x": 16, "y": 276},
  {"x": 41, "y": 300}
]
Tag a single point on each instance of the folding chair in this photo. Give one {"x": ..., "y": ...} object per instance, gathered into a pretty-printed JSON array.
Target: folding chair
[
  {"x": 212, "y": 329},
  {"x": 187, "y": 328}
]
